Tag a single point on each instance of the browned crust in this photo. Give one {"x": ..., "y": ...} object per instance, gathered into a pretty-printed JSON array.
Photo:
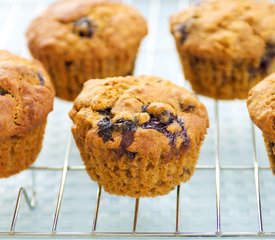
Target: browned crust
[
  {"x": 19, "y": 152},
  {"x": 261, "y": 106},
  {"x": 27, "y": 101},
  {"x": 226, "y": 47},
  {"x": 157, "y": 166},
  {"x": 226, "y": 30},
  {"x": 70, "y": 59}
]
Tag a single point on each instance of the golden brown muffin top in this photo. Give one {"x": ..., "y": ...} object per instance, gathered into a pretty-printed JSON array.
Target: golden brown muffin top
[
  {"x": 261, "y": 106},
  {"x": 226, "y": 29},
  {"x": 73, "y": 27},
  {"x": 26, "y": 95},
  {"x": 128, "y": 113}
]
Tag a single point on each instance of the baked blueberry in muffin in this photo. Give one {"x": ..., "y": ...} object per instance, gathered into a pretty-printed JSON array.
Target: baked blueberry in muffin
[{"x": 83, "y": 27}]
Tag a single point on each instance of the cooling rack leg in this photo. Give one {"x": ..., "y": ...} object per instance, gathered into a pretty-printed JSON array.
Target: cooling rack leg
[
  {"x": 217, "y": 168},
  {"x": 31, "y": 201},
  {"x": 97, "y": 208},
  {"x": 178, "y": 210},
  {"x": 62, "y": 184},
  {"x": 257, "y": 185},
  {"x": 135, "y": 216}
]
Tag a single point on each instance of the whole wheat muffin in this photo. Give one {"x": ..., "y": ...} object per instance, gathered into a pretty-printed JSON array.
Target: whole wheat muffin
[
  {"x": 138, "y": 136},
  {"x": 77, "y": 40},
  {"x": 226, "y": 46},
  {"x": 261, "y": 106},
  {"x": 26, "y": 98}
]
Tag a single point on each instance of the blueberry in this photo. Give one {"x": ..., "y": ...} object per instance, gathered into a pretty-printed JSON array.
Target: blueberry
[
  {"x": 41, "y": 79},
  {"x": 120, "y": 152},
  {"x": 127, "y": 140},
  {"x": 271, "y": 146},
  {"x": 128, "y": 129},
  {"x": 166, "y": 117},
  {"x": 144, "y": 108},
  {"x": 268, "y": 57},
  {"x": 106, "y": 111},
  {"x": 68, "y": 64},
  {"x": 131, "y": 155},
  {"x": 105, "y": 129},
  {"x": 126, "y": 125},
  {"x": 3, "y": 92},
  {"x": 180, "y": 121},
  {"x": 156, "y": 124},
  {"x": 182, "y": 29},
  {"x": 265, "y": 62},
  {"x": 84, "y": 27}
]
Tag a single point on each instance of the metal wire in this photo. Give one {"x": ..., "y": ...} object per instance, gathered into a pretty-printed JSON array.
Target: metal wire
[
  {"x": 199, "y": 167},
  {"x": 97, "y": 208},
  {"x": 178, "y": 210},
  {"x": 217, "y": 168},
  {"x": 30, "y": 201},
  {"x": 136, "y": 216},
  {"x": 257, "y": 183},
  {"x": 267, "y": 235},
  {"x": 62, "y": 184}
]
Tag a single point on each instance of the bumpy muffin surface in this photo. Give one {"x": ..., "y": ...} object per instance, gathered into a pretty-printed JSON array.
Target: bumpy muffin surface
[
  {"x": 26, "y": 98},
  {"x": 138, "y": 136},
  {"x": 228, "y": 29},
  {"x": 26, "y": 95},
  {"x": 261, "y": 106},
  {"x": 226, "y": 46},
  {"x": 78, "y": 40},
  {"x": 77, "y": 27}
]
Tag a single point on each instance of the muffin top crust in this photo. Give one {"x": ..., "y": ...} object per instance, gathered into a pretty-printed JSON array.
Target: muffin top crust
[
  {"x": 226, "y": 30},
  {"x": 102, "y": 27},
  {"x": 26, "y": 95},
  {"x": 261, "y": 106},
  {"x": 127, "y": 114}
]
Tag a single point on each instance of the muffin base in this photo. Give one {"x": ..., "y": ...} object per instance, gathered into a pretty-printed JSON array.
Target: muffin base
[
  {"x": 19, "y": 152},
  {"x": 140, "y": 177},
  {"x": 68, "y": 76},
  {"x": 221, "y": 80},
  {"x": 270, "y": 148}
]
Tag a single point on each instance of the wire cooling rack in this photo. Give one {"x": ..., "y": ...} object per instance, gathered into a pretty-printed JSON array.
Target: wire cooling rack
[{"x": 231, "y": 194}]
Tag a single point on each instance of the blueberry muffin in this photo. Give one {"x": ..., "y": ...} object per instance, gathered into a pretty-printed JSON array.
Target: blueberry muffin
[
  {"x": 138, "y": 136},
  {"x": 26, "y": 98},
  {"x": 226, "y": 46},
  {"x": 261, "y": 106},
  {"x": 77, "y": 40}
]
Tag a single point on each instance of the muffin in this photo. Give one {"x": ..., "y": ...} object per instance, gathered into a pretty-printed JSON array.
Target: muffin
[
  {"x": 77, "y": 40},
  {"x": 261, "y": 107},
  {"x": 227, "y": 46},
  {"x": 26, "y": 98},
  {"x": 138, "y": 136}
]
